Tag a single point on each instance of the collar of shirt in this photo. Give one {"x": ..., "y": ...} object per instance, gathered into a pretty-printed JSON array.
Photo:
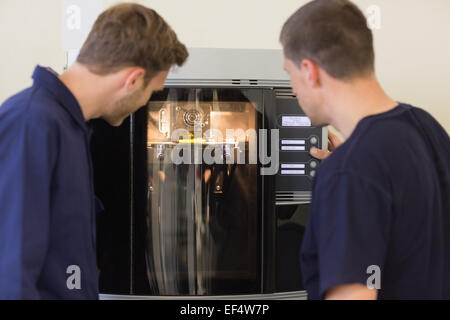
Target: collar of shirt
[{"x": 48, "y": 79}]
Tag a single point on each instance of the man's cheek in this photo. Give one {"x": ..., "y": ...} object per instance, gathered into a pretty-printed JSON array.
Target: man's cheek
[{"x": 145, "y": 99}]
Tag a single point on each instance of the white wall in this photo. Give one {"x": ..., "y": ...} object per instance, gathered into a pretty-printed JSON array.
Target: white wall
[
  {"x": 30, "y": 34},
  {"x": 412, "y": 46}
]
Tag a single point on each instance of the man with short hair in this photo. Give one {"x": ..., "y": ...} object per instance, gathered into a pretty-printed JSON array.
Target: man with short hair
[
  {"x": 380, "y": 213},
  {"x": 47, "y": 201}
]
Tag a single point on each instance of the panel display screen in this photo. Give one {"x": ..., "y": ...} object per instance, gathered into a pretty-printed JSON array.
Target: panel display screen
[{"x": 295, "y": 121}]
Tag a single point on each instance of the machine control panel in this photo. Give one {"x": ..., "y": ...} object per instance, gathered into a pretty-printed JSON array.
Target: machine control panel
[{"x": 298, "y": 168}]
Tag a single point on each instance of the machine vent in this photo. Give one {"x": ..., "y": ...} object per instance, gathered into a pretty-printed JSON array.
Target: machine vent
[
  {"x": 285, "y": 93},
  {"x": 292, "y": 197},
  {"x": 230, "y": 83}
]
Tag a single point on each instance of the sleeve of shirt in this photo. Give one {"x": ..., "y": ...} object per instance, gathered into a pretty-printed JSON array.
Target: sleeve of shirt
[
  {"x": 25, "y": 187},
  {"x": 351, "y": 221}
]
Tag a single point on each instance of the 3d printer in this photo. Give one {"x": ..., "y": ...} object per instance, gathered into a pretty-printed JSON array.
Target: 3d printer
[{"x": 188, "y": 212}]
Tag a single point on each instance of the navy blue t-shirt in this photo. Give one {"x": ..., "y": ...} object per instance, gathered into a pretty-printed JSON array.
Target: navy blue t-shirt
[
  {"x": 382, "y": 200},
  {"x": 47, "y": 201}
]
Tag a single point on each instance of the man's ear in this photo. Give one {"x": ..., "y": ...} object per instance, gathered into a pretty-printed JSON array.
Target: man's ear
[
  {"x": 134, "y": 79},
  {"x": 312, "y": 72}
]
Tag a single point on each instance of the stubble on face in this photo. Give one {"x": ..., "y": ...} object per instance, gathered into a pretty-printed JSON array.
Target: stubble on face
[
  {"x": 124, "y": 107},
  {"x": 314, "y": 114}
]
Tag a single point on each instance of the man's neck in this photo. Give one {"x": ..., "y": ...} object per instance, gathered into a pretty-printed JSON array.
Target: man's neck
[
  {"x": 84, "y": 86},
  {"x": 351, "y": 102}
]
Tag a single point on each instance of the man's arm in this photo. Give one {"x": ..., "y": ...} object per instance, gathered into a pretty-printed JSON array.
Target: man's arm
[
  {"x": 351, "y": 223},
  {"x": 27, "y": 165},
  {"x": 354, "y": 291}
]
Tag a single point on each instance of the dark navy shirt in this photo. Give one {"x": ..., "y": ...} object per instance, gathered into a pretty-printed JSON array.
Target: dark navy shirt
[
  {"x": 47, "y": 202},
  {"x": 382, "y": 200}
]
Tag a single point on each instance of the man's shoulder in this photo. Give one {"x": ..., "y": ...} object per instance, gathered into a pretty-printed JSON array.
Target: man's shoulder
[
  {"x": 403, "y": 122},
  {"x": 17, "y": 102},
  {"x": 373, "y": 141},
  {"x": 382, "y": 143},
  {"x": 32, "y": 105}
]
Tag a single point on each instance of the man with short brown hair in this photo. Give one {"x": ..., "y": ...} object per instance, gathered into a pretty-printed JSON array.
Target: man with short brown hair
[
  {"x": 380, "y": 211},
  {"x": 47, "y": 201}
]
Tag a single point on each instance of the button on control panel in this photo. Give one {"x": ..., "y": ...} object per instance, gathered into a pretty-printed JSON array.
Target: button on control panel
[
  {"x": 299, "y": 169},
  {"x": 299, "y": 144}
]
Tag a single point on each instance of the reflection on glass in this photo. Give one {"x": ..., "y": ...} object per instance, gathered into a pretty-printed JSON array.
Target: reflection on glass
[{"x": 202, "y": 216}]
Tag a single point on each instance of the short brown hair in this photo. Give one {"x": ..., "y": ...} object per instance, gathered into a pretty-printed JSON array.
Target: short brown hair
[
  {"x": 332, "y": 33},
  {"x": 131, "y": 35}
]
